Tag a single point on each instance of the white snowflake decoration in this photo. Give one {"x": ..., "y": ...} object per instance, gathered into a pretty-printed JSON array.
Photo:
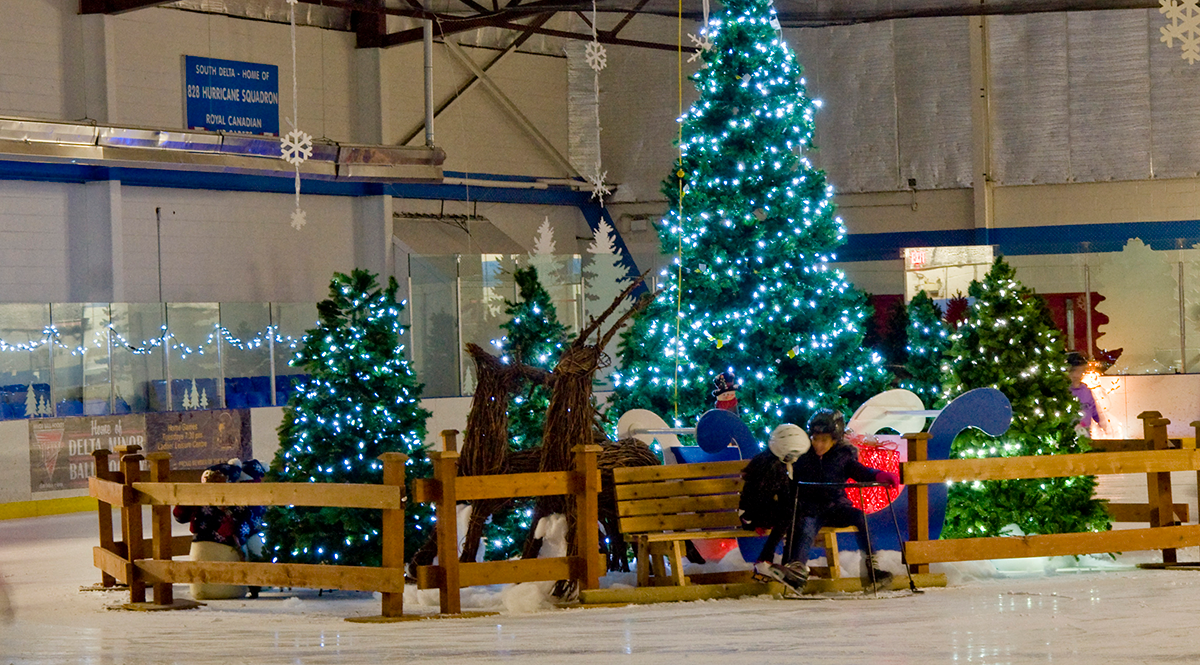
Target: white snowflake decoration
[
  {"x": 596, "y": 56},
  {"x": 599, "y": 190},
  {"x": 299, "y": 219},
  {"x": 1184, "y": 26},
  {"x": 702, "y": 43},
  {"x": 296, "y": 147}
]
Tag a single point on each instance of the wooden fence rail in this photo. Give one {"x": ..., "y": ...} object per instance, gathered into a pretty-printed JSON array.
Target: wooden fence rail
[
  {"x": 1155, "y": 459},
  {"x": 130, "y": 561},
  {"x": 446, "y": 488},
  {"x": 138, "y": 562}
]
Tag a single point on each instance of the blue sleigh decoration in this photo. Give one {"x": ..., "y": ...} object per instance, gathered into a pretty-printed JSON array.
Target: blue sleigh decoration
[{"x": 986, "y": 409}]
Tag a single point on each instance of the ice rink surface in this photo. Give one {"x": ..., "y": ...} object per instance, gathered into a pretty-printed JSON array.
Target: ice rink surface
[{"x": 1096, "y": 610}]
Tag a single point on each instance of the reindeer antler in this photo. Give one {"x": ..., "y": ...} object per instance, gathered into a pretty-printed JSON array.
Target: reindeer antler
[{"x": 599, "y": 320}]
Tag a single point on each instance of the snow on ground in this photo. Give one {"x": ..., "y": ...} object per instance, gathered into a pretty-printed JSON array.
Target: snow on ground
[{"x": 1096, "y": 609}]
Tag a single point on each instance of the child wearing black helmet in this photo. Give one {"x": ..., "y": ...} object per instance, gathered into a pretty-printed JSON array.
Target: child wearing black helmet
[{"x": 821, "y": 499}]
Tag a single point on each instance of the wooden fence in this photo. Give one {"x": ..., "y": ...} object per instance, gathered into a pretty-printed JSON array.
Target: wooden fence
[
  {"x": 129, "y": 562},
  {"x": 1155, "y": 459},
  {"x": 139, "y": 563},
  {"x": 447, "y": 488}
]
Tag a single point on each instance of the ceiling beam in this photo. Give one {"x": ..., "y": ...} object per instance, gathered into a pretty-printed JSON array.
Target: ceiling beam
[
  {"x": 115, "y": 6},
  {"x": 446, "y": 26},
  {"x": 470, "y": 83},
  {"x": 602, "y": 37},
  {"x": 515, "y": 113},
  {"x": 850, "y": 13},
  {"x": 370, "y": 27},
  {"x": 624, "y": 21}
]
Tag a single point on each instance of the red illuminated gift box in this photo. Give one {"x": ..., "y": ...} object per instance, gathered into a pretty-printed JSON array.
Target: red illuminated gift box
[{"x": 880, "y": 455}]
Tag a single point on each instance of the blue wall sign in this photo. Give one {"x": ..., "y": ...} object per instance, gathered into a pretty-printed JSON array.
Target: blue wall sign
[{"x": 231, "y": 96}]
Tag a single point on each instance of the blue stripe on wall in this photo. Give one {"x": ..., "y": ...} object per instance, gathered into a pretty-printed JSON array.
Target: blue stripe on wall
[
  {"x": 284, "y": 183},
  {"x": 1065, "y": 239}
]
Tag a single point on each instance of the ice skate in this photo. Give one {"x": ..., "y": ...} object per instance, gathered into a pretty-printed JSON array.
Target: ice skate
[
  {"x": 793, "y": 576},
  {"x": 875, "y": 579}
]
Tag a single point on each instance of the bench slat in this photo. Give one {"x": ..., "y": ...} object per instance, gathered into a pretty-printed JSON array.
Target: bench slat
[
  {"x": 642, "y": 474},
  {"x": 682, "y": 504},
  {"x": 699, "y": 535},
  {"x": 642, "y": 524},
  {"x": 700, "y": 487},
  {"x": 726, "y": 533}
]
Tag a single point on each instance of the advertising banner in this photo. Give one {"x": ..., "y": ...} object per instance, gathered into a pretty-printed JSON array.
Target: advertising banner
[
  {"x": 60, "y": 449},
  {"x": 199, "y": 439},
  {"x": 231, "y": 96}
]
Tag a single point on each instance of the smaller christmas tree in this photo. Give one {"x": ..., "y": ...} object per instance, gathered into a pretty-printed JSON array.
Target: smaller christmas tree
[
  {"x": 1009, "y": 342},
  {"x": 535, "y": 338},
  {"x": 928, "y": 339},
  {"x": 361, "y": 400}
]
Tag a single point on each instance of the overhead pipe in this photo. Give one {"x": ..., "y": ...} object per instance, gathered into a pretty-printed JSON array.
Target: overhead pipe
[{"x": 427, "y": 28}]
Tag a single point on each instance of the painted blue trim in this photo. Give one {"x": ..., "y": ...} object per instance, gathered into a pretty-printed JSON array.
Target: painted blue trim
[
  {"x": 284, "y": 183},
  {"x": 887, "y": 246},
  {"x": 1026, "y": 241},
  {"x": 503, "y": 177},
  {"x": 1034, "y": 240}
]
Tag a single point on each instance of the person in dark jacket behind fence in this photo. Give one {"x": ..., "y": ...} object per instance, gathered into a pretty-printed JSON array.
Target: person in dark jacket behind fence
[
  {"x": 217, "y": 533},
  {"x": 768, "y": 499},
  {"x": 828, "y": 465}
]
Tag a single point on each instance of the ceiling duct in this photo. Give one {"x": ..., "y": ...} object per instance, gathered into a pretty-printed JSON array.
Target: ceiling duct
[{"x": 98, "y": 145}]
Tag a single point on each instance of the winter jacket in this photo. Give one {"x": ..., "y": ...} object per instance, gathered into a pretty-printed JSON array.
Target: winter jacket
[
  {"x": 838, "y": 464},
  {"x": 767, "y": 498},
  {"x": 216, "y": 524}
]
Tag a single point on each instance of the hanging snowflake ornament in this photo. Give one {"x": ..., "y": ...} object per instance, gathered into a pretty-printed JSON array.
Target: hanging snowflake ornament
[
  {"x": 1184, "y": 17},
  {"x": 296, "y": 147},
  {"x": 599, "y": 190},
  {"x": 597, "y": 57},
  {"x": 299, "y": 219},
  {"x": 702, "y": 43}
]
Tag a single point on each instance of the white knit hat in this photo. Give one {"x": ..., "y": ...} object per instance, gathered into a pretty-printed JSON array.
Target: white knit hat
[{"x": 789, "y": 442}]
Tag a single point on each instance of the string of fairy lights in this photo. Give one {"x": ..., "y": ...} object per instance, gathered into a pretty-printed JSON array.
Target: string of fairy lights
[
  {"x": 362, "y": 398},
  {"x": 754, "y": 234},
  {"x": 106, "y": 336}
]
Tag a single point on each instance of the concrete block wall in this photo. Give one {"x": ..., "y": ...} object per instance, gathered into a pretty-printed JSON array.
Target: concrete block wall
[
  {"x": 233, "y": 246},
  {"x": 33, "y": 229}
]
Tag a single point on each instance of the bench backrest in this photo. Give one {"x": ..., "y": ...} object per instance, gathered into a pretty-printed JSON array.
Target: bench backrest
[{"x": 679, "y": 497}]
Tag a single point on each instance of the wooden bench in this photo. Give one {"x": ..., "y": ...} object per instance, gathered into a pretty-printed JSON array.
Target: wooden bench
[{"x": 660, "y": 507}]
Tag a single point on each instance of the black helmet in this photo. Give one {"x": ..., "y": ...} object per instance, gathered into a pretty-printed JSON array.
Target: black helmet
[{"x": 827, "y": 421}]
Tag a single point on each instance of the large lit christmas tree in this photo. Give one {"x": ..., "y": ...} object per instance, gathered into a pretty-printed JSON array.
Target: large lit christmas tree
[
  {"x": 928, "y": 342},
  {"x": 361, "y": 401},
  {"x": 1009, "y": 342},
  {"x": 751, "y": 224},
  {"x": 536, "y": 338}
]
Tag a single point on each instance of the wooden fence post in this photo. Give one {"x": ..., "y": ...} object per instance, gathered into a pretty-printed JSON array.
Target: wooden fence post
[
  {"x": 1196, "y": 444},
  {"x": 1158, "y": 485},
  {"x": 104, "y": 513},
  {"x": 160, "y": 525},
  {"x": 587, "y": 521},
  {"x": 392, "y": 532},
  {"x": 445, "y": 471},
  {"x": 131, "y": 527},
  {"x": 918, "y": 496}
]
